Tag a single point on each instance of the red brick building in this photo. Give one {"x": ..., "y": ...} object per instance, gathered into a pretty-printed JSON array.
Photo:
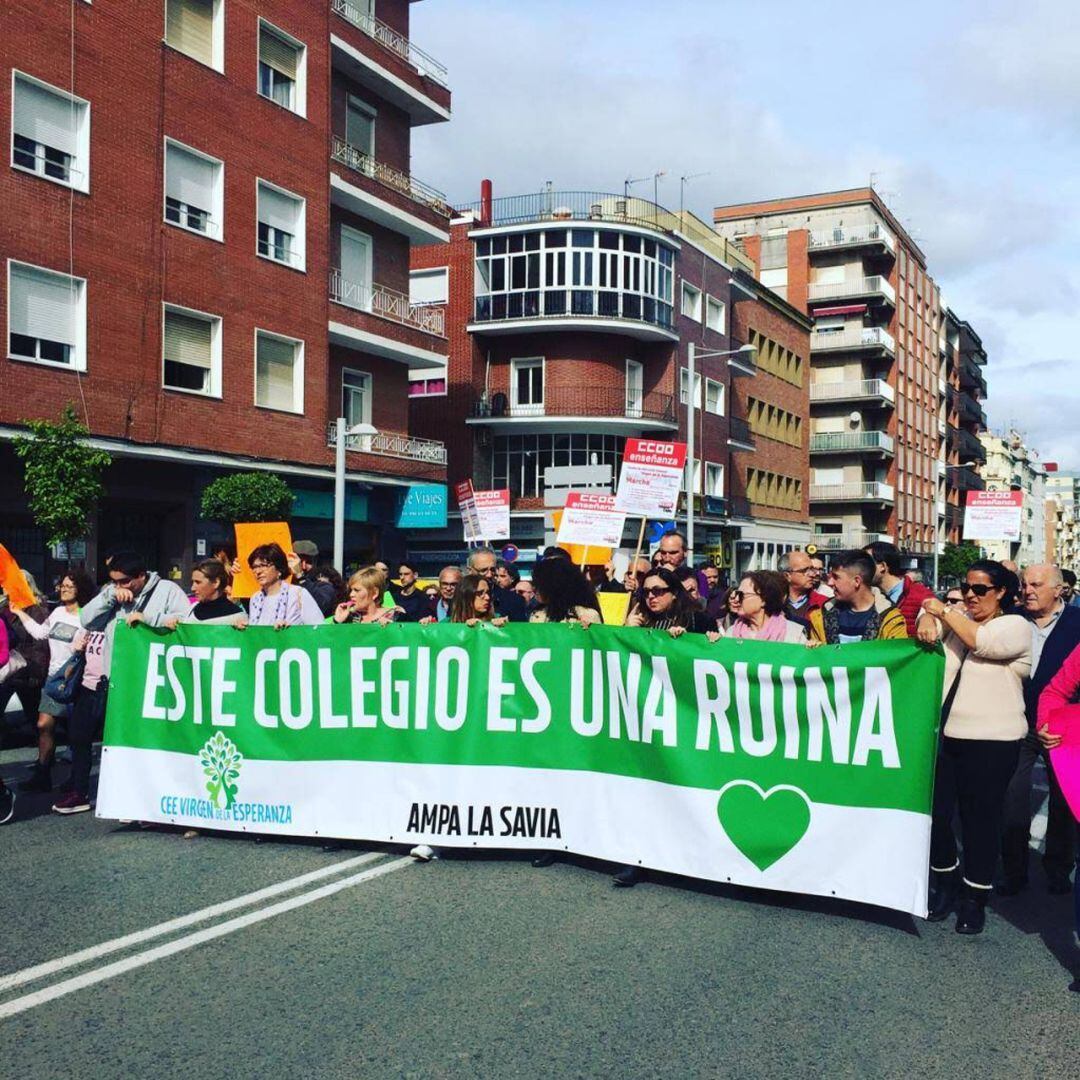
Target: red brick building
[
  {"x": 570, "y": 317},
  {"x": 206, "y": 222}
]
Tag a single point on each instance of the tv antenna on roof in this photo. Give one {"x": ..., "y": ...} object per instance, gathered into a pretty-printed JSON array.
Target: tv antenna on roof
[{"x": 683, "y": 181}]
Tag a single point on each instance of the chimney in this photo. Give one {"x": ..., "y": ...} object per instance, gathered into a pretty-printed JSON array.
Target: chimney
[{"x": 485, "y": 202}]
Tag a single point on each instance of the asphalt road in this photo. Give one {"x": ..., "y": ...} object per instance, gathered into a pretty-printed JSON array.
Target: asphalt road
[{"x": 485, "y": 967}]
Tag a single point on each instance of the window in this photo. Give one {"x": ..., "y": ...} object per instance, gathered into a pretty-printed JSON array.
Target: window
[
  {"x": 520, "y": 461},
  {"x": 196, "y": 28},
  {"x": 360, "y": 125},
  {"x": 527, "y": 387},
  {"x": 691, "y": 302},
  {"x": 695, "y": 481},
  {"x": 281, "y": 225},
  {"x": 429, "y": 286},
  {"x": 351, "y": 285},
  {"x": 193, "y": 190},
  {"x": 191, "y": 352},
  {"x": 714, "y": 479},
  {"x": 50, "y": 133},
  {"x": 282, "y": 69},
  {"x": 635, "y": 388},
  {"x": 355, "y": 397},
  {"x": 46, "y": 317},
  {"x": 715, "y": 315},
  {"x": 684, "y": 383},
  {"x": 279, "y": 372},
  {"x": 714, "y": 397},
  {"x": 425, "y": 384}
]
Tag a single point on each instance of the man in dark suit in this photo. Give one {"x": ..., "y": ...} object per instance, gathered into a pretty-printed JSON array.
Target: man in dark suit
[
  {"x": 506, "y": 602},
  {"x": 1055, "y": 628}
]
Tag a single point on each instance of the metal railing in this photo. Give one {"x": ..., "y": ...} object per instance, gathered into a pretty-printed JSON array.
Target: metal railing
[
  {"x": 967, "y": 445},
  {"x": 853, "y": 540},
  {"x": 871, "y": 491},
  {"x": 391, "y": 444},
  {"x": 571, "y": 303},
  {"x": 593, "y": 402},
  {"x": 856, "y": 338},
  {"x": 379, "y": 300},
  {"x": 873, "y": 285},
  {"x": 834, "y": 442},
  {"x": 860, "y": 234},
  {"x": 739, "y": 431},
  {"x": 359, "y": 161},
  {"x": 971, "y": 375},
  {"x": 855, "y": 390},
  {"x": 427, "y": 66}
]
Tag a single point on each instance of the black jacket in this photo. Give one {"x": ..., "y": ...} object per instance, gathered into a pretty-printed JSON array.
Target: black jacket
[
  {"x": 508, "y": 604},
  {"x": 323, "y": 594},
  {"x": 1062, "y": 640}
]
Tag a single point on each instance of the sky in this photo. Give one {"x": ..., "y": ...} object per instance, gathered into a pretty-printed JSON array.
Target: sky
[{"x": 965, "y": 115}]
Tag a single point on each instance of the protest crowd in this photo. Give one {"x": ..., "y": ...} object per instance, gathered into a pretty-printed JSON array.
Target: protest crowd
[{"x": 1011, "y": 692}]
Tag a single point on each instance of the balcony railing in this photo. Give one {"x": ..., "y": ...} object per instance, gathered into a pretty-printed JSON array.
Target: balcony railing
[
  {"x": 967, "y": 445},
  {"x": 739, "y": 431},
  {"x": 591, "y": 402},
  {"x": 839, "y": 442},
  {"x": 359, "y": 161},
  {"x": 861, "y": 390},
  {"x": 859, "y": 337},
  {"x": 391, "y": 444},
  {"x": 855, "y": 540},
  {"x": 971, "y": 375},
  {"x": 397, "y": 43},
  {"x": 568, "y": 303},
  {"x": 379, "y": 300},
  {"x": 872, "y": 491},
  {"x": 857, "y": 236},
  {"x": 874, "y": 285}
]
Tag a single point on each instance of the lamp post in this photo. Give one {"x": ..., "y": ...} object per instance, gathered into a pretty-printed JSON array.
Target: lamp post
[
  {"x": 342, "y": 431},
  {"x": 692, "y": 356},
  {"x": 937, "y": 520}
]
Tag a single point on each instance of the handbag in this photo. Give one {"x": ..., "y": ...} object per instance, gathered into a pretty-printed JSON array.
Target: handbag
[{"x": 63, "y": 685}]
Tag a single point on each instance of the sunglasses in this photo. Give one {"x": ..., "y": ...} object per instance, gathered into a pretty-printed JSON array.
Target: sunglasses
[
  {"x": 978, "y": 590},
  {"x": 656, "y": 590},
  {"x": 954, "y": 599},
  {"x": 738, "y": 594}
]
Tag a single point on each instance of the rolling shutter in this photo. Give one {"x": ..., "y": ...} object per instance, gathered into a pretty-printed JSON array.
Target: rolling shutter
[
  {"x": 43, "y": 304},
  {"x": 277, "y": 210},
  {"x": 187, "y": 340},
  {"x": 189, "y": 178},
  {"x": 189, "y": 27},
  {"x": 46, "y": 117},
  {"x": 275, "y": 364},
  {"x": 277, "y": 53}
]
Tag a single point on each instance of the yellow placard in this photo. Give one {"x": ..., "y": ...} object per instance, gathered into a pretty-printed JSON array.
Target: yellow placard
[{"x": 613, "y": 606}]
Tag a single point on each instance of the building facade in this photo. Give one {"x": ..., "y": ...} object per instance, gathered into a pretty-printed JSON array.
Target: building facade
[
  {"x": 1011, "y": 465},
  {"x": 207, "y": 221},
  {"x": 1063, "y": 516},
  {"x": 571, "y": 316},
  {"x": 877, "y": 381}
]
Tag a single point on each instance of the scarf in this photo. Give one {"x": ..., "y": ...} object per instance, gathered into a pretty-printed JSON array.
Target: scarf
[{"x": 775, "y": 629}]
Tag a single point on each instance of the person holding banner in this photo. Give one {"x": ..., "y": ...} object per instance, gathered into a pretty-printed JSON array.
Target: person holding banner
[
  {"x": 563, "y": 594},
  {"x": 757, "y": 607},
  {"x": 277, "y": 603},
  {"x": 666, "y": 605},
  {"x": 365, "y": 604},
  {"x": 987, "y": 659},
  {"x": 473, "y": 603},
  {"x": 209, "y": 580}
]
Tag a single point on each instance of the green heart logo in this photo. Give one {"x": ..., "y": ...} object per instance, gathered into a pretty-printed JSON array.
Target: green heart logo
[{"x": 763, "y": 825}]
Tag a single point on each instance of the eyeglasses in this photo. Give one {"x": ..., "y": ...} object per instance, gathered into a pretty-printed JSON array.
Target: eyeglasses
[
  {"x": 262, "y": 566},
  {"x": 978, "y": 590},
  {"x": 804, "y": 570},
  {"x": 656, "y": 590}
]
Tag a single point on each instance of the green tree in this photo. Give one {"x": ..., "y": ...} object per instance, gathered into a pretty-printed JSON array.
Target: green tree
[
  {"x": 61, "y": 476},
  {"x": 250, "y": 496},
  {"x": 221, "y": 762},
  {"x": 954, "y": 561}
]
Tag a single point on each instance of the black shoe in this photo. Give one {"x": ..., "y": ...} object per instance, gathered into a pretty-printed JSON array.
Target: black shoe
[
  {"x": 547, "y": 858},
  {"x": 971, "y": 915},
  {"x": 1010, "y": 886},
  {"x": 333, "y": 846},
  {"x": 941, "y": 899},
  {"x": 628, "y": 877},
  {"x": 1074, "y": 986},
  {"x": 39, "y": 780},
  {"x": 7, "y": 804},
  {"x": 1058, "y": 884}
]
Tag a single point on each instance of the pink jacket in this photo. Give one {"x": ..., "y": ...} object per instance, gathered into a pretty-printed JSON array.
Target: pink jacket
[
  {"x": 1059, "y": 711},
  {"x": 5, "y": 649}
]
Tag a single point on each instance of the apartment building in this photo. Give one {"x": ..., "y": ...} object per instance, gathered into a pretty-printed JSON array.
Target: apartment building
[
  {"x": 1063, "y": 516},
  {"x": 571, "y": 316},
  {"x": 1011, "y": 465},
  {"x": 206, "y": 221},
  {"x": 877, "y": 384}
]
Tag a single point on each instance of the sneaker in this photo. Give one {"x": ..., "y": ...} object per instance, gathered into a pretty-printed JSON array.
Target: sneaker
[
  {"x": 72, "y": 804},
  {"x": 7, "y": 804},
  {"x": 39, "y": 780},
  {"x": 424, "y": 853}
]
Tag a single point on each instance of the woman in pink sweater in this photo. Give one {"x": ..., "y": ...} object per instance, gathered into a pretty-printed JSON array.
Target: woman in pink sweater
[{"x": 1059, "y": 729}]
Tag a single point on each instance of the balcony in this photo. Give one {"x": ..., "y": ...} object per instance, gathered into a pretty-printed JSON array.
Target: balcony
[
  {"x": 740, "y": 435},
  {"x": 969, "y": 410},
  {"x": 855, "y": 540},
  {"x": 387, "y": 62},
  {"x": 608, "y": 311},
  {"x": 391, "y": 444},
  {"x": 595, "y": 408},
  {"x": 388, "y": 304},
  {"x": 873, "y": 491},
  {"x": 857, "y": 339},
  {"x": 872, "y": 236},
  {"x": 873, "y": 390},
  {"x": 966, "y": 480},
  {"x": 874, "y": 287},
  {"x": 851, "y": 442},
  {"x": 967, "y": 445},
  {"x": 971, "y": 376}
]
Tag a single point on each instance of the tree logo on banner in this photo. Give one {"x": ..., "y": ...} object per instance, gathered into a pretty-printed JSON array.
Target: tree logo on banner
[
  {"x": 221, "y": 761},
  {"x": 763, "y": 825}
]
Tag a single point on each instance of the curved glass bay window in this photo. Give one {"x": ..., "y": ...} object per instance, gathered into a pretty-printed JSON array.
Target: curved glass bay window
[
  {"x": 520, "y": 460},
  {"x": 567, "y": 272}
]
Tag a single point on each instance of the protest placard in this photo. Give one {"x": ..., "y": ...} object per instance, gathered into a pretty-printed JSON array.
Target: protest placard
[{"x": 651, "y": 477}]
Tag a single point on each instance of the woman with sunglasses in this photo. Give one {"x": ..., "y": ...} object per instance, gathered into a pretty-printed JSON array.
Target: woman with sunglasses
[
  {"x": 666, "y": 605},
  {"x": 757, "y": 611},
  {"x": 987, "y": 658}
]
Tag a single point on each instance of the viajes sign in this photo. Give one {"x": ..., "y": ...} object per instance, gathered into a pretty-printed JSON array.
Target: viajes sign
[{"x": 755, "y": 763}]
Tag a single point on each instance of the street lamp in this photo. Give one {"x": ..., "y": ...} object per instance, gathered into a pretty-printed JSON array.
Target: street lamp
[
  {"x": 937, "y": 520},
  {"x": 691, "y": 359},
  {"x": 342, "y": 431}
]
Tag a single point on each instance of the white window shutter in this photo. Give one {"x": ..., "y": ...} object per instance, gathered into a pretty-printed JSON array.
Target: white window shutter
[
  {"x": 46, "y": 117},
  {"x": 189, "y": 178},
  {"x": 277, "y": 210},
  {"x": 187, "y": 340},
  {"x": 276, "y": 362},
  {"x": 43, "y": 304},
  {"x": 278, "y": 53},
  {"x": 189, "y": 27},
  {"x": 428, "y": 286}
]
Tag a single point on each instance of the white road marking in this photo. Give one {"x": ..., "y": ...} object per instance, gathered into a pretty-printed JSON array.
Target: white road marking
[
  {"x": 51, "y": 967},
  {"x": 200, "y": 937}
]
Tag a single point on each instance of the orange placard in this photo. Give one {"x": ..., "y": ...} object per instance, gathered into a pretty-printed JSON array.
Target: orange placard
[
  {"x": 249, "y": 536},
  {"x": 588, "y": 556},
  {"x": 14, "y": 583}
]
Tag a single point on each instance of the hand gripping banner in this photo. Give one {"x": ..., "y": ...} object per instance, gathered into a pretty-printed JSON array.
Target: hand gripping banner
[{"x": 776, "y": 766}]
